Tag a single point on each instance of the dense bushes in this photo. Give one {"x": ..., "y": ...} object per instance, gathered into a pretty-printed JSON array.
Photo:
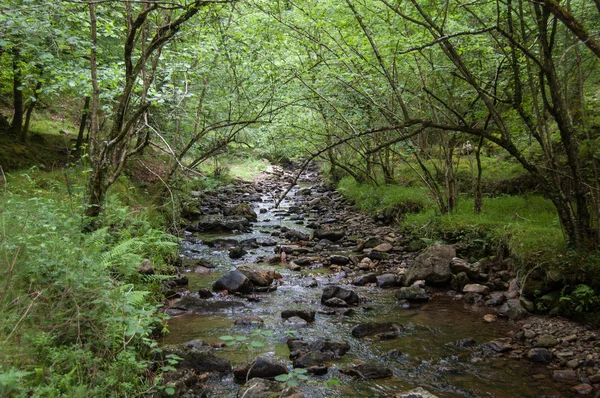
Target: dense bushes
[{"x": 78, "y": 316}]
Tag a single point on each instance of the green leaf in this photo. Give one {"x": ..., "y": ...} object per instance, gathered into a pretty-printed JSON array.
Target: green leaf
[
  {"x": 226, "y": 338},
  {"x": 170, "y": 391},
  {"x": 302, "y": 377},
  {"x": 300, "y": 371},
  {"x": 292, "y": 383},
  {"x": 257, "y": 344},
  {"x": 284, "y": 377}
]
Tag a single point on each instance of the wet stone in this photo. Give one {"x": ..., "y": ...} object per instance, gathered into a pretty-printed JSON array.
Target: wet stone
[
  {"x": 364, "y": 279},
  {"x": 539, "y": 355},
  {"x": 339, "y": 260},
  {"x": 368, "y": 371},
  {"x": 418, "y": 392},
  {"x": 372, "y": 329},
  {"x": 262, "y": 367},
  {"x": 389, "y": 280},
  {"x": 349, "y": 297},
  {"x": 564, "y": 374},
  {"x": 308, "y": 316},
  {"x": 413, "y": 293}
]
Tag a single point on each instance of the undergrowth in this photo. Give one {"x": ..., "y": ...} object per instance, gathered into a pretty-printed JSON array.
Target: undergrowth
[{"x": 77, "y": 316}]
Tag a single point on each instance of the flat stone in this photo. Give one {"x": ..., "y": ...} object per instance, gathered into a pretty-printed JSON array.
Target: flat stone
[
  {"x": 364, "y": 279},
  {"x": 368, "y": 371},
  {"x": 564, "y": 374},
  {"x": 476, "y": 288},
  {"x": 384, "y": 248},
  {"x": 371, "y": 329},
  {"x": 500, "y": 345},
  {"x": 583, "y": 389},
  {"x": 546, "y": 340}
]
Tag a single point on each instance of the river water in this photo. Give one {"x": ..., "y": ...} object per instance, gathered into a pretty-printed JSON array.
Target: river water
[{"x": 426, "y": 355}]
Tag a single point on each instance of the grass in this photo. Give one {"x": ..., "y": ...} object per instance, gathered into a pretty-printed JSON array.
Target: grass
[{"x": 528, "y": 225}]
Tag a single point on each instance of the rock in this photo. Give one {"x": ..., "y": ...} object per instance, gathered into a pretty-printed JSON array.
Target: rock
[
  {"x": 459, "y": 281},
  {"x": 329, "y": 234},
  {"x": 218, "y": 223},
  {"x": 368, "y": 371},
  {"x": 233, "y": 282},
  {"x": 378, "y": 256},
  {"x": 339, "y": 260},
  {"x": 313, "y": 358},
  {"x": 433, "y": 265},
  {"x": 497, "y": 298},
  {"x": 204, "y": 293},
  {"x": 262, "y": 367},
  {"x": 259, "y": 276},
  {"x": 458, "y": 265},
  {"x": 200, "y": 270},
  {"x": 500, "y": 345},
  {"x": 463, "y": 343},
  {"x": 242, "y": 209},
  {"x": 299, "y": 347},
  {"x": 308, "y": 316},
  {"x": 146, "y": 268},
  {"x": 546, "y": 341},
  {"x": 384, "y": 247},
  {"x": 198, "y": 356},
  {"x": 476, "y": 288},
  {"x": 364, "y": 279},
  {"x": 295, "y": 236},
  {"x": 413, "y": 293},
  {"x": 513, "y": 310},
  {"x": 262, "y": 388},
  {"x": 371, "y": 329},
  {"x": 335, "y": 302},
  {"x": 237, "y": 252},
  {"x": 514, "y": 286},
  {"x": 539, "y": 355},
  {"x": 564, "y": 374},
  {"x": 595, "y": 379},
  {"x": 583, "y": 389},
  {"x": 317, "y": 370},
  {"x": 251, "y": 320},
  {"x": 200, "y": 305},
  {"x": 416, "y": 393},
  {"x": 389, "y": 280},
  {"x": 490, "y": 318},
  {"x": 180, "y": 280},
  {"x": 348, "y": 296},
  {"x": 304, "y": 191}
]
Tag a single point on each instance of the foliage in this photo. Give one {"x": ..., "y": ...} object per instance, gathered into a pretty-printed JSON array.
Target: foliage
[
  {"x": 582, "y": 299},
  {"x": 293, "y": 377},
  {"x": 83, "y": 317}
]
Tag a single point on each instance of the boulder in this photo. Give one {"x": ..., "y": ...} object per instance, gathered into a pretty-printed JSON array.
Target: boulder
[
  {"x": 368, "y": 371},
  {"x": 373, "y": 329},
  {"x": 414, "y": 293},
  {"x": 233, "y": 282},
  {"x": 330, "y": 234},
  {"x": 476, "y": 288},
  {"x": 458, "y": 265},
  {"x": 262, "y": 367},
  {"x": 262, "y": 388},
  {"x": 348, "y": 296},
  {"x": 218, "y": 223},
  {"x": 237, "y": 252},
  {"x": 308, "y": 316},
  {"x": 539, "y": 355},
  {"x": 259, "y": 276},
  {"x": 513, "y": 310},
  {"x": 339, "y": 260},
  {"x": 364, "y": 279},
  {"x": 389, "y": 280},
  {"x": 198, "y": 356},
  {"x": 241, "y": 209},
  {"x": 433, "y": 265},
  {"x": 416, "y": 393}
]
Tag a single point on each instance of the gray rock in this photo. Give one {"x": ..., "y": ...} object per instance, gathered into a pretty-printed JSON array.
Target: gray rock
[
  {"x": 372, "y": 329},
  {"x": 389, "y": 280},
  {"x": 339, "y": 260},
  {"x": 368, "y": 371},
  {"x": 414, "y": 293},
  {"x": 218, "y": 223},
  {"x": 259, "y": 276},
  {"x": 233, "y": 282},
  {"x": 364, "y": 279},
  {"x": 476, "y": 288},
  {"x": 262, "y": 367},
  {"x": 329, "y": 234},
  {"x": 348, "y": 296},
  {"x": 237, "y": 252},
  {"x": 433, "y": 265},
  {"x": 146, "y": 267},
  {"x": 459, "y": 281},
  {"x": 383, "y": 247},
  {"x": 539, "y": 355},
  {"x": 198, "y": 356},
  {"x": 308, "y": 316},
  {"x": 513, "y": 310},
  {"x": 546, "y": 341},
  {"x": 335, "y": 302},
  {"x": 242, "y": 209},
  {"x": 262, "y": 388},
  {"x": 458, "y": 265},
  {"x": 251, "y": 320},
  {"x": 416, "y": 393}
]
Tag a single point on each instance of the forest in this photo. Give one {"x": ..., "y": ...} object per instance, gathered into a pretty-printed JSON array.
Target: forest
[{"x": 470, "y": 123}]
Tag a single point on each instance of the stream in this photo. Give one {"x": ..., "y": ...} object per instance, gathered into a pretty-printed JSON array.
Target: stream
[{"x": 423, "y": 355}]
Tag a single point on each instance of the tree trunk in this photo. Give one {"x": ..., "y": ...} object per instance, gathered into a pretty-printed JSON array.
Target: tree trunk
[
  {"x": 477, "y": 194},
  {"x": 32, "y": 105},
  {"x": 17, "y": 122},
  {"x": 82, "y": 125}
]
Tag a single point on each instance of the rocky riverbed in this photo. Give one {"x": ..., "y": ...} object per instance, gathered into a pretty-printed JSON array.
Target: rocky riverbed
[{"x": 345, "y": 305}]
